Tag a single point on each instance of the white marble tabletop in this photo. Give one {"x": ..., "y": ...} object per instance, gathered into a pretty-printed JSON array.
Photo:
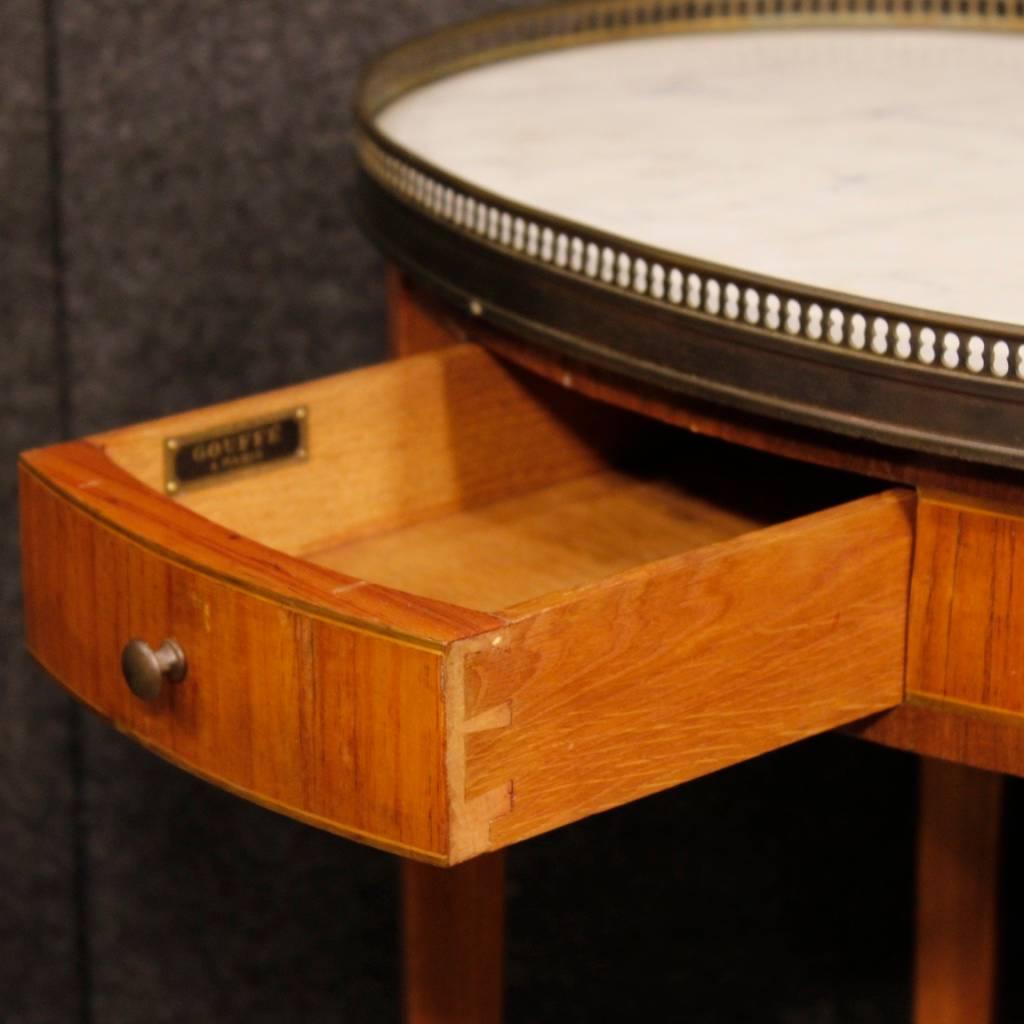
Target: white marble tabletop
[{"x": 886, "y": 164}]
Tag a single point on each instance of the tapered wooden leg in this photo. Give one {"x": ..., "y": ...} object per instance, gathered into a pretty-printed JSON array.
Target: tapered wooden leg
[
  {"x": 454, "y": 942},
  {"x": 959, "y": 839}
]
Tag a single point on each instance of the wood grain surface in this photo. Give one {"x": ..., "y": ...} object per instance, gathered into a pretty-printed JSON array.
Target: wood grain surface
[
  {"x": 609, "y": 693},
  {"x": 567, "y": 535},
  {"x": 966, "y": 639},
  {"x": 965, "y": 689},
  {"x": 331, "y": 724},
  {"x": 391, "y": 445}
]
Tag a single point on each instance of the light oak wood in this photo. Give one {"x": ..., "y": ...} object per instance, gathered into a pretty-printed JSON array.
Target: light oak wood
[
  {"x": 959, "y": 850},
  {"x": 454, "y": 942},
  {"x": 547, "y": 607},
  {"x": 599, "y": 696},
  {"x": 389, "y": 446},
  {"x": 563, "y": 536}
]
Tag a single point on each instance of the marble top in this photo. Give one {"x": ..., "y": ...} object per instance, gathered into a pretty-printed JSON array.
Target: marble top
[{"x": 885, "y": 164}]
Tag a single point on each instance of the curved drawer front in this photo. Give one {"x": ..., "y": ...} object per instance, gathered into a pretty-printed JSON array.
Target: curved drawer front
[
  {"x": 483, "y": 607},
  {"x": 320, "y": 719}
]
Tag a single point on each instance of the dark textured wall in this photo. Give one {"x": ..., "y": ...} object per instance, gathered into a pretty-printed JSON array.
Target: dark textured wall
[
  {"x": 175, "y": 232},
  {"x": 38, "y": 730}
]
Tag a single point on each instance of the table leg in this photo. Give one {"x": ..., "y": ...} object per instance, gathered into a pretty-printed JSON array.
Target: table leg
[
  {"x": 959, "y": 840},
  {"x": 453, "y": 942}
]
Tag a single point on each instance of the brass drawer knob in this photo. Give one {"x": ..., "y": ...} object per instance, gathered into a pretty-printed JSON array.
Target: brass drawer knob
[{"x": 145, "y": 669}]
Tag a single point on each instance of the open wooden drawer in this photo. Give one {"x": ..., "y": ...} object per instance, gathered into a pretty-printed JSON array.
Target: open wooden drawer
[{"x": 480, "y": 606}]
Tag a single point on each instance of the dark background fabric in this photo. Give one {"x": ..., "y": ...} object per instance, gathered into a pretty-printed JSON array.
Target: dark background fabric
[{"x": 174, "y": 230}]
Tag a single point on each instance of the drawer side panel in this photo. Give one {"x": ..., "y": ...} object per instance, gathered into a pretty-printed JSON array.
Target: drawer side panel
[{"x": 684, "y": 667}]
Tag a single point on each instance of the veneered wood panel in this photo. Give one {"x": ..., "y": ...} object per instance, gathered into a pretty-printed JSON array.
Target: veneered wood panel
[
  {"x": 326, "y": 722},
  {"x": 965, "y": 689},
  {"x": 678, "y": 669},
  {"x": 966, "y": 637}
]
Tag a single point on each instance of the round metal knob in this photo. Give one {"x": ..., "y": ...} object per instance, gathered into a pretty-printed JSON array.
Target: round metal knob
[{"x": 145, "y": 669}]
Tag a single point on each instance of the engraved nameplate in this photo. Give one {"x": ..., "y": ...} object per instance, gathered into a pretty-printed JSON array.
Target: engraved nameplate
[{"x": 204, "y": 458}]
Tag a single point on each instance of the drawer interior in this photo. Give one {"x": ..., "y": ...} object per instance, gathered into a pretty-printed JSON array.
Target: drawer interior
[
  {"x": 574, "y": 532},
  {"x": 458, "y": 478}
]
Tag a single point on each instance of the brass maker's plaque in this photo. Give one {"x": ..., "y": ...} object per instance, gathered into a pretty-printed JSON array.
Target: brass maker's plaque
[{"x": 194, "y": 460}]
